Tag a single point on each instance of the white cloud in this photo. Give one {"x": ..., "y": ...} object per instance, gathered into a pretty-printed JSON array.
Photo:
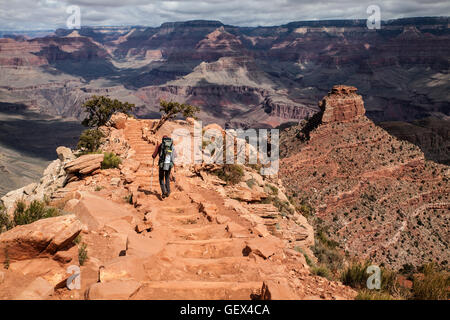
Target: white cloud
[{"x": 50, "y": 14}]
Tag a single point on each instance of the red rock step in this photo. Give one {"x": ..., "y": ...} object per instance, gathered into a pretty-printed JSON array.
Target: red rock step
[
  {"x": 212, "y": 248},
  {"x": 197, "y": 290}
]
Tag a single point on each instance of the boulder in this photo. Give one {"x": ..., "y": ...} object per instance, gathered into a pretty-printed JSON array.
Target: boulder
[
  {"x": 65, "y": 154},
  {"x": 29, "y": 189},
  {"x": 67, "y": 256},
  {"x": 85, "y": 164},
  {"x": 41, "y": 238},
  {"x": 9, "y": 200},
  {"x": 115, "y": 182},
  {"x": 46, "y": 268},
  {"x": 119, "y": 226},
  {"x": 242, "y": 193},
  {"x": 118, "y": 120},
  {"x": 132, "y": 165}
]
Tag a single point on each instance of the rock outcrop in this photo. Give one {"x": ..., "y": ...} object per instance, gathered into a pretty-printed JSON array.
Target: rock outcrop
[
  {"x": 84, "y": 164},
  {"x": 342, "y": 104},
  {"x": 376, "y": 196},
  {"x": 53, "y": 178},
  {"x": 39, "y": 239}
]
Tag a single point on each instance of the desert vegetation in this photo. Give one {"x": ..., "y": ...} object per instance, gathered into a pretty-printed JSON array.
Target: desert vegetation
[
  {"x": 101, "y": 108},
  {"x": 169, "y": 110},
  {"x": 26, "y": 214},
  {"x": 230, "y": 173},
  {"x": 110, "y": 161},
  {"x": 90, "y": 141}
]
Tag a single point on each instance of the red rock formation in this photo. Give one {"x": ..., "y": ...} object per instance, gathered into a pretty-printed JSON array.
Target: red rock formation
[
  {"x": 342, "y": 104},
  {"x": 376, "y": 196}
]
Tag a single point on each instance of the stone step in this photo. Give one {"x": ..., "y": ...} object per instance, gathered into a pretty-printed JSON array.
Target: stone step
[
  {"x": 196, "y": 232},
  {"x": 211, "y": 248},
  {"x": 197, "y": 290},
  {"x": 221, "y": 269}
]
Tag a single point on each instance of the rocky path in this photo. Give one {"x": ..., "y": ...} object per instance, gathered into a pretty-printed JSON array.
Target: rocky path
[
  {"x": 201, "y": 259},
  {"x": 200, "y": 243}
]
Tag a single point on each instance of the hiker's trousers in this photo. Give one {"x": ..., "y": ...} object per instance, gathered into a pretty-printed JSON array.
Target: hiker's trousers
[{"x": 164, "y": 180}]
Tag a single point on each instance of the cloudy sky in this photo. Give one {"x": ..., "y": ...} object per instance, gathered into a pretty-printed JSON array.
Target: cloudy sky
[{"x": 51, "y": 14}]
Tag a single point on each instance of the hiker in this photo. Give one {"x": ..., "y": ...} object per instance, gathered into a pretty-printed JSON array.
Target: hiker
[{"x": 166, "y": 154}]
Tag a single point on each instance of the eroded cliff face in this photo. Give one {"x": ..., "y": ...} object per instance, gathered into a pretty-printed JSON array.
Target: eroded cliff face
[
  {"x": 375, "y": 195},
  {"x": 400, "y": 69}
]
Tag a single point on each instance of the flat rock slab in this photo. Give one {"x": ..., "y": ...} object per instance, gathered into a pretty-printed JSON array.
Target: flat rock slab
[
  {"x": 95, "y": 211},
  {"x": 123, "y": 268},
  {"x": 41, "y": 238},
  {"x": 39, "y": 289},
  {"x": 143, "y": 247}
]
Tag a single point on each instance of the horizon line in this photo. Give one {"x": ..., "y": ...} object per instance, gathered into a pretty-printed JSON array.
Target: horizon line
[{"x": 224, "y": 24}]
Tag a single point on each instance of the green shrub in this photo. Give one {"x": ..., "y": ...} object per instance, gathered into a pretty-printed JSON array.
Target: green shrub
[
  {"x": 373, "y": 295},
  {"x": 170, "y": 109},
  {"x": 77, "y": 240},
  {"x": 230, "y": 173},
  {"x": 101, "y": 108},
  {"x": 308, "y": 260},
  {"x": 111, "y": 161},
  {"x": 251, "y": 183},
  {"x": 82, "y": 253},
  {"x": 90, "y": 140},
  {"x": 321, "y": 271},
  {"x": 433, "y": 285},
  {"x": 35, "y": 211},
  {"x": 324, "y": 239},
  {"x": 355, "y": 275},
  {"x": 329, "y": 256},
  {"x": 271, "y": 189},
  {"x": 5, "y": 221}
]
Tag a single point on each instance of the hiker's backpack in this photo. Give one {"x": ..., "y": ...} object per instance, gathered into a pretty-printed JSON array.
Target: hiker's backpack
[{"x": 166, "y": 154}]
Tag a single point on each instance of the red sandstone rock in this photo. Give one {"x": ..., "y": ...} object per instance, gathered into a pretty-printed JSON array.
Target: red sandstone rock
[
  {"x": 39, "y": 289},
  {"x": 43, "y": 237},
  {"x": 342, "y": 104},
  {"x": 85, "y": 164}
]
